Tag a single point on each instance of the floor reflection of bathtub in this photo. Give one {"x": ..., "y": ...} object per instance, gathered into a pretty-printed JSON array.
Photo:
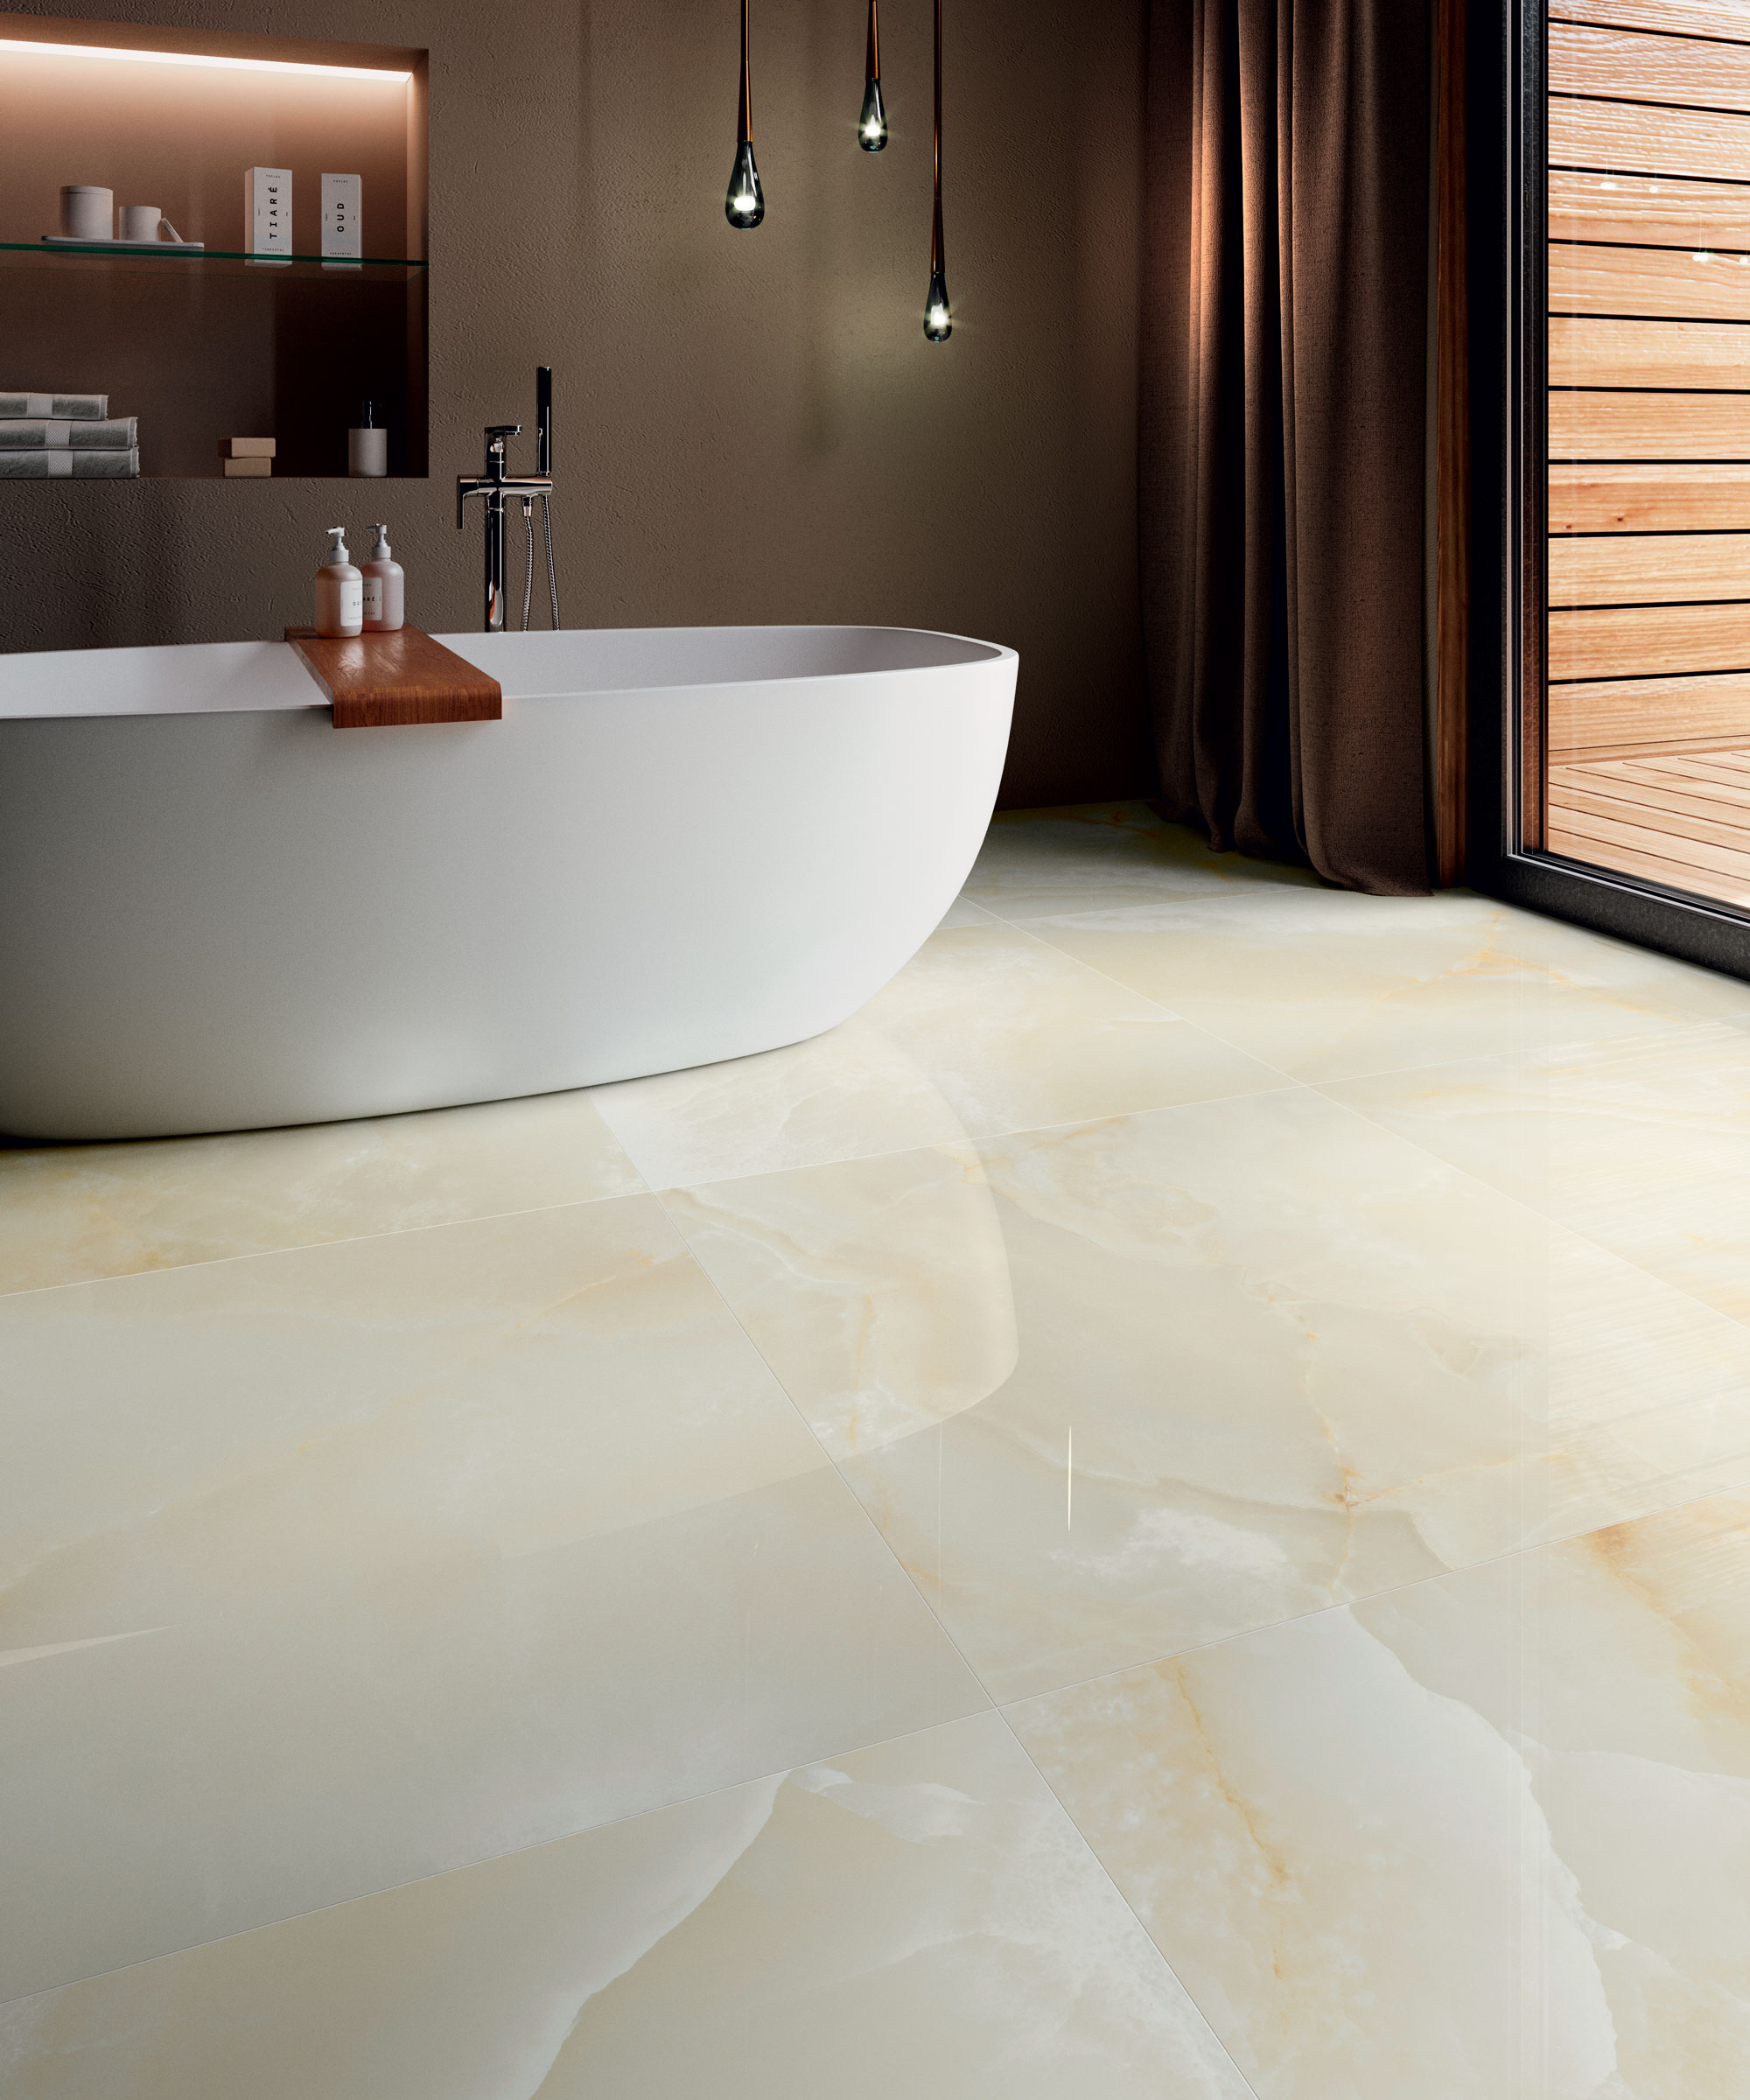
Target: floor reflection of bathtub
[
  {"x": 680, "y": 846},
  {"x": 929, "y": 1330}
]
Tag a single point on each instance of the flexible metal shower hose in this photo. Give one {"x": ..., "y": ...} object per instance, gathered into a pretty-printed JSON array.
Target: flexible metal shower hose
[{"x": 529, "y": 560}]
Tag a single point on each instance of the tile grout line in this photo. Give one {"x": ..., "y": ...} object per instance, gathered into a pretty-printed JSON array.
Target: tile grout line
[
  {"x": 802, "y": 1415},
  {"x": 1395, "y": 1590},
  {"x": 972, "y": 1138},
  {"x": 992, "y": 1705},
  {"x": 651, "y": 1188},
  {"x": 647, "y": 1188},
  {"x": 1292, "y": 1619},
  {"x": 1111, "y": 1881},
  {"x": 648, "y": 1185},
  {"x": 345, "y": 1239},
  {"x": 1531, "y": 1210},
  {"x": 469, "y": 1866},
  {"x": 1568, "y": 1045},
  {"x": 1383, "y": 1072}
]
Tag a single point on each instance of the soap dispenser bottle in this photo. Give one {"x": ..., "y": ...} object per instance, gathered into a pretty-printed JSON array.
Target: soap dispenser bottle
[
  {"x": 367, "y": 445},
  {"x": 339, "y": 591},
  {"x": 385, "y": 588}
]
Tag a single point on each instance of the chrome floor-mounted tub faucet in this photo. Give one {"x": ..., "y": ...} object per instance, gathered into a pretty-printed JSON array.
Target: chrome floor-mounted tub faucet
[{"x": 498, "y": 486}]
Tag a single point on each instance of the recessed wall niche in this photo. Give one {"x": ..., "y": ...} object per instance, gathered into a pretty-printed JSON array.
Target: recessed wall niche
[{"x": 204, "y": 347}]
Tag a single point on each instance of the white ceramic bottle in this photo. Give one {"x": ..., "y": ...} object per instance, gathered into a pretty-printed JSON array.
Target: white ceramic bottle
[
  {"x": 339, "y": 591},
  {"x": 385, "y": 588}
]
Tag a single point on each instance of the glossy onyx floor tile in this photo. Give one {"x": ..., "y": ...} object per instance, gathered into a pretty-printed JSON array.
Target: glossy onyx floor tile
[
  {"x": 1107, "y": 855},
  {"x": 921, "y": 1918},
  {"x": 1643, "y": 1144},
  {"x": 985, "y": 1029},
  {"x": 1118, "y": 1389},
  {"x": 1330, "y": 985},
  {"x": 470, "y": 1626},
  {"x": 964, "y": 912},
  {"x": 428, "y": 1547},
  {"x": 69, "y": 1213},
  {"x": 1486, "y": 1839},
  {"x": 1017, "y": 1036}
]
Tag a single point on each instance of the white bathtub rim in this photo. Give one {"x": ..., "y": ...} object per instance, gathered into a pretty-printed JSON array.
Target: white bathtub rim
[{"x": 282, "y": 668}]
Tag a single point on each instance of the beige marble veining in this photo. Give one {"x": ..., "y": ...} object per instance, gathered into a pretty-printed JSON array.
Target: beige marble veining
[
  {"x": 1105, "y": 856},
  {"x": 69, "y": 1213},
  {"x": 1017, "y": 1036},
  {"x": 879, "y": 1291},
  {"x": 1329, "y": 985},
  {"x": 1644, "y": 1144},
  {"x": 917, "y": 1919},
  {"x": 1121, "y": 1389},
  {"x": 1486, "y": 1839},
  {"x": 985, "y": 1029},
  {"x": 1289, "y": 1340},
  {"x": 842, "y": 1096},
  {"x": 430, "y": 1545}
]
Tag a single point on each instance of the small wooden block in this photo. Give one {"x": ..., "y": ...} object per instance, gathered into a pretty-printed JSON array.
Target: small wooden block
[
  {"x": 393, "y": 681},
  {"x": 247, "y": 470},
  {"x": 248, "y": 448}
]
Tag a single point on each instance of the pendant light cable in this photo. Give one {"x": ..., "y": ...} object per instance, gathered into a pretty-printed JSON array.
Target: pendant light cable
[
  {"x": 744, "y": 203},
  {"x": 938, "y": 319}
]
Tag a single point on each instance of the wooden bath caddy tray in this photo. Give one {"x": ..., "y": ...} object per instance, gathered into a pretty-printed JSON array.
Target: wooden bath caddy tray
[{"x": 390, "y": 680}]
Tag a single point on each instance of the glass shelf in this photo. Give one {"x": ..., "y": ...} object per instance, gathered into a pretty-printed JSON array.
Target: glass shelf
[{"x": 227, "y": 262}]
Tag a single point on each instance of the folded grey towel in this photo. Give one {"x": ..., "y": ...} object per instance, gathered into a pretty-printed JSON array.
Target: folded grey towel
[
  {"x": 81, "y": 407},
  {"x": 118, "y": 434},
  {"x": 58, "y": 462}
]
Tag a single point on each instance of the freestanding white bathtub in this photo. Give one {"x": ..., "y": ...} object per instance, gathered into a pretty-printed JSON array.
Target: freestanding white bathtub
[{"x": 217, "y": 911}]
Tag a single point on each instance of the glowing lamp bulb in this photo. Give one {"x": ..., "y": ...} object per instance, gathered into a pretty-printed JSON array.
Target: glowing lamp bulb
[
  {"x": 938, "y": 321},
  {"x": 872, "y": 130},
  {"x": 744, "y": 203}
]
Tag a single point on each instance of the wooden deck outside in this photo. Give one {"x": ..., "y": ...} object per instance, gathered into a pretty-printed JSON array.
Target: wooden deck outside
[
  {"x": 1682, "y": 819},
  {"x": 1648, "y": 716}
]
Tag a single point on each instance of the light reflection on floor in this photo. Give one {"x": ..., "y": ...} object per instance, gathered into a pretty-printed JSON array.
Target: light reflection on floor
[{"x": 1164, "y": 1513}]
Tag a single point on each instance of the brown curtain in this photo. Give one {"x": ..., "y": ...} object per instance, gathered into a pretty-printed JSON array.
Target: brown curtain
[{"x": 1284, "y": 430}]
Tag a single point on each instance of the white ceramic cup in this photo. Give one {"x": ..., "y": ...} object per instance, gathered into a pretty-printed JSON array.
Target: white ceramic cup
[
  {"x": 88, "y": 213},
  {"x": 140, "y": 223}
]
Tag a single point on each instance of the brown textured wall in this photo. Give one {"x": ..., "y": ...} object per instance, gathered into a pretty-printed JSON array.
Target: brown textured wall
[{"x": 750, "y": 427}]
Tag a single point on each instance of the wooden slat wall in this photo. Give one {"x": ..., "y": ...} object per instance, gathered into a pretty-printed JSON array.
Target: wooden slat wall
[
  {"x": 1649, "y": 426},
  {"x": 1614, "y": 717},
  {"x": 1587, "y": 206},
  {"x": 1596, "y": 497},
  {"x": 1701, "y": 285},
  {"x": 1592, "y": 350},
  {"x": 1596, "y": 642},
  {"x": 1634, "y": 68},
  {"x": 1649, "y": 368},
  {"x": 1724, "y": 19},
  {"x": 1638, "y": 569},
  {"x": 1635, "y": 138}
]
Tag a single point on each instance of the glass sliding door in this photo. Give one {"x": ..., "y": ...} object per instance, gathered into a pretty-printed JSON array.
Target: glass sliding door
[{"x": 1633, "y": 764}]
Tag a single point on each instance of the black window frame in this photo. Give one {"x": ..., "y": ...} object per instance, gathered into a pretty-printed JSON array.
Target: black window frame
[{"x": 1506, "y": 98}]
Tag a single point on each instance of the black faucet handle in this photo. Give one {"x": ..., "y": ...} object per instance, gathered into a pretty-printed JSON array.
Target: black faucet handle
[{"x": 504, "y": 429}]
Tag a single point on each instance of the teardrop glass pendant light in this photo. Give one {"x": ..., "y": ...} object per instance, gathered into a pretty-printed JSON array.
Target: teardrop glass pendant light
[
  {"x": 871, "y": 126},
  {"x": 938, "y": 321},
  {"x": 744, "y": 203}
]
